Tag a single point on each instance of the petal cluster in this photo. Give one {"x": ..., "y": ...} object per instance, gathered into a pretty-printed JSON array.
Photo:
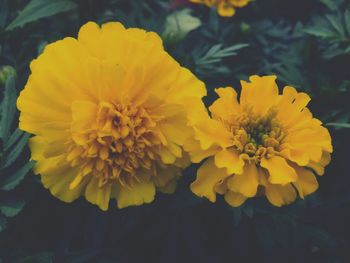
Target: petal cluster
[
  {"x": 225, "y": 8},
  {"x": 109, "y": 112},
  {"x": 265, "y": 144}
]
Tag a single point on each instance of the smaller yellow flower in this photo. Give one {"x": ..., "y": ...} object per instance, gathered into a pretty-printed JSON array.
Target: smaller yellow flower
[
  {"x": 265, "y": 144},
  {"x": 225, "y": 8}
]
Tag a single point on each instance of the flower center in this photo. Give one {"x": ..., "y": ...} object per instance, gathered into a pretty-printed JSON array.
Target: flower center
[
  {"x": 119, "y": 143},
  {"x": 257, "y": 136}
]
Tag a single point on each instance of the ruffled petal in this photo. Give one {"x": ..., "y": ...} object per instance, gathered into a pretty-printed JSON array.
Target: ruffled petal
[
  {"x": 98, "y": 195},
  {"x": 280, "y": 172},
  {"x": 234, "y": 199},
  {"x": 231, "y": 160},
  {"x": 246, "y": 183},
  {"x": 279, "y": 195},
  {"x": 208, "y": 175},
  {"x": 306, "y": 183},
  {"x": 139, "y": 194}
]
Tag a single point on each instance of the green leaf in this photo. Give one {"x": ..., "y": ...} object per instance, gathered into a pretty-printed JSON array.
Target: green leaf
[
  {"x": 335, "y": 21},
  {"x": 8, "y": 108},
  {"x": 3, "y": 222},
  {"x": 9, "y": 182},
  {"x": 331, "y": 4},
  {"x": 37, "y": 9},
  {"x": 216, "y": 53},
  {"x": 13, "y": 138},
  {"x": 11, "y": 208},
  {"x": 347, "y": 20},
  {"x": 16, "y": 151},
  {"x": 179, "y": 24},
  {"x": 339, "y": 125},
  {"x": 319, "y": 32}
]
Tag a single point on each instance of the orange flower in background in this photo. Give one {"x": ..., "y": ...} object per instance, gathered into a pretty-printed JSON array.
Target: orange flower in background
[
  {"x": 264, "y": 144},
  {"x": 110, "y": 115},
  {"x": 225, "y": 7}
]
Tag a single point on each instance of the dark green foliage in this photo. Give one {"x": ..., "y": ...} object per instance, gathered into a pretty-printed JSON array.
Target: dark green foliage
[
  {"x": 13, "y": 142},
  {"x": 305, "y": 43}
]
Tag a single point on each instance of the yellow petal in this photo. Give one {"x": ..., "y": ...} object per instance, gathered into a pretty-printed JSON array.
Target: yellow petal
[
  {"x": 239, "y": 3},
  {"x": 169, "y": 188},
  {"x": 279, "y": 170},
  {"x": 306, "y": 183},
  {"x": 259, "y": 87},
  {"x": 98, "y": 195},
  {"x": 197, "y": 154},
  {"x": 226, "y": 106},
  {"x": 211, "y": 132},
  {"x": 231, "y": 160},
  {"x": 225, "y": 9},
  {"x": 279, "y": 195},
  {"x": 57, "y": 178},
  {"x": 164, "y": 174},
  {"x": 234, "y": 199},
  {"x": 318, "y": 167},
  {"x": 83, "y": 114},
  {"x": 221, "y": 186},
  {"x": 208, "y": 175},
  {"x": 166, "y": 155},
  {"x": 246, "y": 183},
  {"x": 139, "y": 194}
]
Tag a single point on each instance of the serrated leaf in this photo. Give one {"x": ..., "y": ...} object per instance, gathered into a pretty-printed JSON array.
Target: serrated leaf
[
  {"x": 11, "y": 207},
  {"x": 13, "y": 138},
  {"x": 336, "y": 24},
  {"x": 319, "y": 32},
  {"x": 15, "y": 151},
  {"x": 9, "y": 182},
  {"x": 216, "y": 53},
  {"x": 8, "y": 108},
  {"x": 179, "y": 24},
  {"x": 37, "y": 9}
]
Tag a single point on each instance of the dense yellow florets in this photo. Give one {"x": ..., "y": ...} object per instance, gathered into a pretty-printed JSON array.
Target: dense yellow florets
[
  {"x": 224, "y": 7},
  {"x": 109, "y": 113},
  {"x": 265, "y": 144}
]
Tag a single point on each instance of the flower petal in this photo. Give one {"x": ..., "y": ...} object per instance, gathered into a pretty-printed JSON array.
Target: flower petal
[
  {"x": 211, "y": 132},
  {"x": 234, "y": 199},
  {"x": 98, "y": 195},
  {"x": 208, "y": 175},
  {"x": 246, "y": 183},
  {"x": 231, "y": 160},
  {"x": 279, "y": 195},
  {"x": 226, "y": 105},
  {"x": 306, "y": 183},
  {"x": 139, "y": 194},
  {"x": 279, "y": 170},
  {"x": 258, "y": 88}
]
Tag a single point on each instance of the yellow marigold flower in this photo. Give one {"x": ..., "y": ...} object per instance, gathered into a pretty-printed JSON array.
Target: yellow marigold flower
[
  {"x": 225, "y": 7},
  {"x": 265, "y": 144},
  {"x": 109, "y": 111}
]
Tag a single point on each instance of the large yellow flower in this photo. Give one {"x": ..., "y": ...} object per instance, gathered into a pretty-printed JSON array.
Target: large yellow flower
[
  {"x": 224, "y": 7},
  {"x": 265, "y": 144},
  {"x": 109, "y": 111}
]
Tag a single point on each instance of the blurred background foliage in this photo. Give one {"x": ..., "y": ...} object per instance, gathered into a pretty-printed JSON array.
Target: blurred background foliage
[{"x": 305, "y": 43}]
